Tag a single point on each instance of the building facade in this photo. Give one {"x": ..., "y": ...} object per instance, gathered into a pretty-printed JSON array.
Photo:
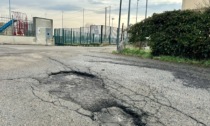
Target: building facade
[{"x": 194, "y": 4}]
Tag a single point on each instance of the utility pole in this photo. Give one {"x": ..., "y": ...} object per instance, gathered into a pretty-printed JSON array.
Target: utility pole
[
  {"x": 146, "y": 9},
  {"x": 105, "y": 20},
  {"x": 62, "y": 19},
  {"x": 122, "y": 34},
  {"x": 83, "y": 25},
  {"x": 129, "y": 13},
  {"x": 109, "y": 16},
  {"x": 83, "y": 18},
  {"x": 10, "y": 10},
  {"x": 118, "y": 30},
  {"x": 137, "y": 10},
  {"x": 110, "y": 29}
]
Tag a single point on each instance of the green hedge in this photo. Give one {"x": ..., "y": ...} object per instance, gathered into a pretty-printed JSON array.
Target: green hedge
[{"x": 176, "y": 33}]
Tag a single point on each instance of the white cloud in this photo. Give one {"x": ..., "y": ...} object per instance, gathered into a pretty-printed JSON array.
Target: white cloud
[{"x": 73, "y": 9}]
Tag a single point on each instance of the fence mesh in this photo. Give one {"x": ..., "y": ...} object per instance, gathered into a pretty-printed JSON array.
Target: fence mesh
[{"x": 95, "y": 34}]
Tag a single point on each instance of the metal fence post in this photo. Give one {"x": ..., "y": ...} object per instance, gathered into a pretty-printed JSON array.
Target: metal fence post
[
  {"x": 64, "y": 37},
  {"x": 101, "y": 34},
  {"x": 110, "y": 34},
  {"x": 87, "y": 37},
  {"x": 71, "y": 36},
  {"x": 55, "y": 36},
  {"x": 63, "y": 34},
  {"x": 59, "y": 32},
  {"x": 93, "y": 38},
  {"x": 68, "y": 38},
  {"x": 90, "y": 34},
  {"x": 80, "y": 35}
]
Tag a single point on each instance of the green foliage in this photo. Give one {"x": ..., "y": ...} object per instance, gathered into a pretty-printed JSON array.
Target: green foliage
[{"x": 176, "y": 33}]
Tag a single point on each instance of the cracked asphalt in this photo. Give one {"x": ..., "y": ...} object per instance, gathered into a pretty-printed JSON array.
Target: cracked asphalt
[{"x": 89, "y": 86}]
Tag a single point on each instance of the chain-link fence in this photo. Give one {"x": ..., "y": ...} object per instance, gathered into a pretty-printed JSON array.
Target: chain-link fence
[{"x": 95, "y": 34}]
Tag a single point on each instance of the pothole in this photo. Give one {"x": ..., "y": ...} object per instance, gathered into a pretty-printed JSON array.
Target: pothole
[
  {"x": 84, "y": 89},
  {"x": 119, "y": 116},
  {"x": 88, "y": 91}
]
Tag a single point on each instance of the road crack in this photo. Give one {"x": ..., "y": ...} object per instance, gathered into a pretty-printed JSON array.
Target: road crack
[{"x": 154, "y": 99}]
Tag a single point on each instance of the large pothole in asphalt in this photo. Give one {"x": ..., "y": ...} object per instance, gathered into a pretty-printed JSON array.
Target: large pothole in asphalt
[
  {"x": 81, "y": 88},
  {"x": 88, "y": 91}
]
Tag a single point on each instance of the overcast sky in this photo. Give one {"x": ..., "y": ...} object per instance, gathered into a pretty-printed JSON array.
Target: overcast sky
[{"x": 94, "y": 10}]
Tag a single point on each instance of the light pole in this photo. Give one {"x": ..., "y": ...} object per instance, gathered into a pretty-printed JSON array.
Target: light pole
[
  {"x": 83, "y": 19},
  {"x": 146, "y": 9},
  {"x": 118, "y": 30},
  {"x": 129, "y": 12},
  {"x": 10, "y": 10},
  {"x": 62, "y": 19},
  {"x": 105, "y": 21},
  {"x": 137, "y": 10},
  {"x": 110, "y": 15}
]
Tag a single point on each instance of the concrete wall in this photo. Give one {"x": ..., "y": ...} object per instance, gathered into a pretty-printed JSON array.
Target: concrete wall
[
  {"x": 194, "y": 4},
  {"x": 43, "y": 28},
  {"x": 23, "y": 40}
]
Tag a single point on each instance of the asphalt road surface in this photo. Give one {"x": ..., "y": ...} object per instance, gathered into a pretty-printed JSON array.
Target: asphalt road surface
[{"x": 78, "y": 86}]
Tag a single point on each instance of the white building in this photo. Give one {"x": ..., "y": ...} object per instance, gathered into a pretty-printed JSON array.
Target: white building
[{"x": 195, "y": 4}]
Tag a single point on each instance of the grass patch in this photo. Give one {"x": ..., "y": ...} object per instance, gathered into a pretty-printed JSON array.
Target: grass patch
[
  {"x": 176, "y": 59},
  {"x": 147, "y": 54},
  {"x": 205, "y": 63},
  {"x": 136, "y": 52}
]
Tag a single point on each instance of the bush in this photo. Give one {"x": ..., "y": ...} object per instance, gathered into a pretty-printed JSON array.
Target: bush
[{"x": 176, "y": 33}]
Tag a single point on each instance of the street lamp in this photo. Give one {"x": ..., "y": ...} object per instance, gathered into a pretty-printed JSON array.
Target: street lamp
[{"x": 137, "y": 9}]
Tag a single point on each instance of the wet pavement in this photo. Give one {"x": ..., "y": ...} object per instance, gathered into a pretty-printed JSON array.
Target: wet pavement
[{"x": 78, "y": 86}]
